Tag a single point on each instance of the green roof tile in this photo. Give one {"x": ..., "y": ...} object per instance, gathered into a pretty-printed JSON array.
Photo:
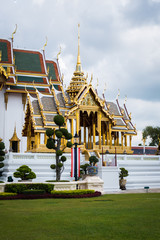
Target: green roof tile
[
  {"x": 29, "y": 61},
  {"x": 28, "y": 79},
  {"x": 5, "y": 48},
  {"x": 52, "y": 73}
]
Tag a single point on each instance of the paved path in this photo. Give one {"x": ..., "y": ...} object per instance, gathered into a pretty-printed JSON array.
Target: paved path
[{"x": 152, "y": 190}]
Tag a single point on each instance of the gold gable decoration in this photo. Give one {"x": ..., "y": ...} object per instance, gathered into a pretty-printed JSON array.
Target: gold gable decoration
[{"x": 15, "y": 142}]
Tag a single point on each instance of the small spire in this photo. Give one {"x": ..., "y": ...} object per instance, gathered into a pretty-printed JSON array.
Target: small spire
[{"x": 78, "y": 66}]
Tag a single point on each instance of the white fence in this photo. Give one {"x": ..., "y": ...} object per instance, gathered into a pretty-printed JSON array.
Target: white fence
[{"x": 143, "y": 170}]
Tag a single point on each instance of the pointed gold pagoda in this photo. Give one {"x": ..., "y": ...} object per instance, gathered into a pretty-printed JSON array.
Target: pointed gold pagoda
[
  {"x": 78, "y": 80},
  {"x": 15, "y": 142}
]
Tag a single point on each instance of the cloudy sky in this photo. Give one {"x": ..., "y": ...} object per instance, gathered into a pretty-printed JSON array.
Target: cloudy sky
[{"x": 120, "y": 45}]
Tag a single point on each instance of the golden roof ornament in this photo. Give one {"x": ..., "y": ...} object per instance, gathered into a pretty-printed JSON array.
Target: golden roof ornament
[
  {"x": 118, "y": 94},
  {"x": 59, "y": 53},
  {"x": 14, "y": 32},
  {"x": 45, "y": 44},
  {"x": 125, "y": 100}
]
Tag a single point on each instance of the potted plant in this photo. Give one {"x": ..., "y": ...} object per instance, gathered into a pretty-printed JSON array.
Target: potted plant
[
  {"x": 25, "y": 173},
  {"x": 83, "y": 170},
  {"x": 123, "y": 173},
  {"x": 92, "y": 168}
]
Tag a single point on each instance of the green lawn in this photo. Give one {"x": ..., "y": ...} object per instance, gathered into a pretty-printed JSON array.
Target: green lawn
[{"x": 125, "y": 216}]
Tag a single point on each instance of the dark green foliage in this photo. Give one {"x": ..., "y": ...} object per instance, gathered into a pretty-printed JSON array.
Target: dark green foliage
[
  {"x": 2, "y": 146},
  {"x": 21, "y": 187},
  {"x": 50, "y": 143},
  {"x": 2, "y": 153},
  {"x": 68, "y": 136},
  {"x": 69, "y": 144},
  {"x": 73, "y": 192},
  {"x": 123, "y": 173},
  {"x": 93, "y": 160},
  {"x": 153, "y": 133},
  {"x": 52, "y": 166},
  {"x": 1, "y": 164},
  {"x": 49, "y": 132},
  {"x": 1, "y": 158},
  {"x": 34, "y": 191},
  {"x": 24, "y": 172},
  {"x": 58, "y": 134},
  {"x": 59, "y": 120},
  {"x": 60, "y": 165},
  {"x": 59, "y": 152},
  {"x": 84, "y": 168},
  {"x": 64, "y": 131},
  {"x": 63, "y": 158}
]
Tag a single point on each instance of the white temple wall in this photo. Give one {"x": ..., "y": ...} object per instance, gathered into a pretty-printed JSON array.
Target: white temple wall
[
  {"x": 2, "y": 114},
  {"x": 13, "y": 116}
]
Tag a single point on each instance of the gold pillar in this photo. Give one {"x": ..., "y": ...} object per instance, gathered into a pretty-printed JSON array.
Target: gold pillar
[
  {"x": 38, "y": 139},
  {"x": 117, "y": 138},
  {"x": 77, "y": 122},
  {"x": 122, "y": 140},
  {"x": 84, "y": 125},
  {"x": 130, "y": 141},
  {"x": 99, "y": 129},
  {"x": 107, "y": 133},
  {"x": 110, "y": 135},
  {"x": 125, "y": 137},
  {"x": 94, "y": 130},
  {"x": 103, "y": 134},
  {"x": 72, "y": 130},
  {"x": 35, "y": 142},
  {"x": 80, "y": 137}
]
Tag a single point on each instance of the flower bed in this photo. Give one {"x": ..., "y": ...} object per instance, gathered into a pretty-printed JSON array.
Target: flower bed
[{"x": 48, "y": 195}]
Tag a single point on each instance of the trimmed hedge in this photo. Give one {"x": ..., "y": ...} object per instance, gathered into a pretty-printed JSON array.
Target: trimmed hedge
[
  {"x": 34, "y": 191},
  {"x": 6, "y": 194},
  {"x": 21, "y": 187},
  {"x": 73, "y": 192},
  {"x": 57, "y": 181}
]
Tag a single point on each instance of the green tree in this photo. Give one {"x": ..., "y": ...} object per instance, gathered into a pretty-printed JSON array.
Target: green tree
[
  {"x": 153, "y": 133},
  {"x": 55, "y": 143}
]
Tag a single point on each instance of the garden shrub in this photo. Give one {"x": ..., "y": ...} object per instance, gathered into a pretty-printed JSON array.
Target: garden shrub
[
  {"x": 73, "y": 192},
  {"x": 21, "y": 187},
  {"x": 4, "y": 194},
  {"x": 57, "y": 181},
  {"x": 34, "y": 191}
]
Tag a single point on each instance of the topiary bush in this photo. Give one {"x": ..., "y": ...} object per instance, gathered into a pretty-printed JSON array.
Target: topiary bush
[
  {"x": 55, "y": 143},
  {"x": 21, "y": 187},
  {"x": 93, "y": 160},
  {"x": 2, "y": 156},
  {"x": 24, "y": 172}
]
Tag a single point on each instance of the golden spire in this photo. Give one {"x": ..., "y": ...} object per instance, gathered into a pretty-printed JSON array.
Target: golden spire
[{"x": 78, "y": 66}]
